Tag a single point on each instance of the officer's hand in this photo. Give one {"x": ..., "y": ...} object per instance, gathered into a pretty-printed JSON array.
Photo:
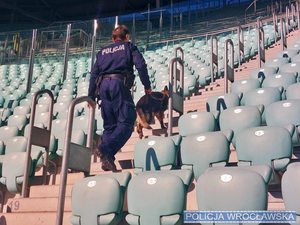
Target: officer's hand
[
  {"x": 88, "y": 105},
  {"x": 148, "y": 91}
]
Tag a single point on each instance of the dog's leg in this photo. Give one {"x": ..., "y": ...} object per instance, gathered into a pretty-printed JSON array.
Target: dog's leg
[
  {"x": 139, "y": 129},
  {"x": 142, "y": 119},
  {"x": 160, "y": 117}
]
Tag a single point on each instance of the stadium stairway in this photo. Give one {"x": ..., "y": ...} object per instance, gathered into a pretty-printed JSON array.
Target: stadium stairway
[{"x": 40, "y": 208}]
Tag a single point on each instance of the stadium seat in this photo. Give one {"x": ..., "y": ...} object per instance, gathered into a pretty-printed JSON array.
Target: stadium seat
[
  {"x": 290, "y": 185},
  {"x": 5, "y": 133},
  {"x": 231, "y": 188},
  {"x": 222, "y": 102},
  {"x": 262, "y": 73},
  {"x": 13, "y": 171},
  {"x": 93, "y": 204},
  {"x": 151, "y": 188},
  {"x": 242, "y": 86},
  {"x": 19, "y": 121},
  {"x": 239, "y": 118},
  {"x": 276, "y": 63},
  {"x": 22, "y": 110},
  {"x": 262, "y": 96},
  {"x": 198, "y": 152},
  {"x": 280, "y": 81},
  {"x": 266, "y": 145},
  {"x": 194, "y": 123},
  {"x": 293, "y": 68},
  {"x": 284, "y": 114},
  {"x": 293, "y": 91},
  {"x": 154, "y": 153}
]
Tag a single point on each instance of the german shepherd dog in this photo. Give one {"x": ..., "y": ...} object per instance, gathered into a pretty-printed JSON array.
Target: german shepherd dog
[{"x": 150, "y": 106}]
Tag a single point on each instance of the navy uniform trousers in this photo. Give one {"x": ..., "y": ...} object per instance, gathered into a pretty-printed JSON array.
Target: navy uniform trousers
[{"x": 118, "y": 113}]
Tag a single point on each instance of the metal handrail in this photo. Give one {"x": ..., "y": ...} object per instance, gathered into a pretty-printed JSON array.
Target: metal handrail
[
  {"x": 214, "y": 56},
  {"x": 229, "y": 64},
  {"x": 283, "y": 34},
  {"x": 45, "y": 134},
  {"x": 275, "y": 23},
  {"x": 179, "y": 49},
  {"x": 261, "y": 43},
  {"x": 68, "y": 134},
  {"x": 252, "y": 3},
  {"x": 66, "y": 54},
  {"x": 94, "y": 44},
  {"x": 173, "y": 90},
  {"x": 31, "y": 59},
  {"x": 241, "y": 54}
]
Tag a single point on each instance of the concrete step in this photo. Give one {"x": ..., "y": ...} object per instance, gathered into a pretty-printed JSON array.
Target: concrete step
[
  {"x": 35, "y": 218},
  {"x": 39, "y": 204}
]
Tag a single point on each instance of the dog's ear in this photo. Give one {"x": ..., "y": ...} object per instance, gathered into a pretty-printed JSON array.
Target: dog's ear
[{"x": 166, "y": 88}]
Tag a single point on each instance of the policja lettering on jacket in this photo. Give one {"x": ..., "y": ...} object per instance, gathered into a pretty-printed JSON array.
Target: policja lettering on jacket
[{"x": 113, "y": 50}]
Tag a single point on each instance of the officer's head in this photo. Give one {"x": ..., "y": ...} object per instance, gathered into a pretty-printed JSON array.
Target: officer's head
[{"x": 120, "y": 33}]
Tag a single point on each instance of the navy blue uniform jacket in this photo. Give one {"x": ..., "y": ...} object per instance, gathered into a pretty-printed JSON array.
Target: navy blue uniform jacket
[{"x": 118, "y": 58}]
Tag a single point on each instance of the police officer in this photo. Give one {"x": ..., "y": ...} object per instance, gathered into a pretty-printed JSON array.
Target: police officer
[{"x": 114, "y": 66}]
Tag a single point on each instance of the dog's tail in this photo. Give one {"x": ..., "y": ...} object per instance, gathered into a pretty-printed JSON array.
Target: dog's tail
[{"x": 142, "y": 119}]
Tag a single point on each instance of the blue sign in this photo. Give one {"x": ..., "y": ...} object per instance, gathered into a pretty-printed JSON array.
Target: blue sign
[{"x": 239, "y": 217}]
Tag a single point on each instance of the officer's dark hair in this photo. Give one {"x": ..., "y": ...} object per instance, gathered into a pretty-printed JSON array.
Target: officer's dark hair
[{"x": 119, "y": 33}]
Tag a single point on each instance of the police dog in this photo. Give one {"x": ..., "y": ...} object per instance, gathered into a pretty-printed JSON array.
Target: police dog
[{"x": 150, "y": 106}]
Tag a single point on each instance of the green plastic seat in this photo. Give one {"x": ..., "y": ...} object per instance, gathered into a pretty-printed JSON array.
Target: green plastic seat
[
  {"x": 266, "y": 145},
  {"x": 290, "y": 186},
  {"x": 18, "y": 121},
  {"x": 262, "y": 96},
  {"x": 262, "y": 73},
  {"x": 293, "y": 91},
  {"x": 280, "y": 80},
  {"x": 283, "y": 114},
  {"x": 6, "y": 132},
  {"x": 13, "y": 171},
  {"x": 231, "y": 188},
  {"x": 222, "y": 102},
  {"x": 276, "y": 63},
  {"x": 152, "y": 201},
  {"x": 198, "y": 152},
  {"x": 99, "y": 199},
  {"x": 240, "y": 87},
  {"x": 154, "y": 153},
  {"x": 239, "y": 118},
  {"x": 22, "y": 110}
]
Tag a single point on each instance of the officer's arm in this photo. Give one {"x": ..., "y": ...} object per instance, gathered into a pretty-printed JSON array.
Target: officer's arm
[
  {"x": 141, "y": 67},
  {"x": 94, "y": 74}
]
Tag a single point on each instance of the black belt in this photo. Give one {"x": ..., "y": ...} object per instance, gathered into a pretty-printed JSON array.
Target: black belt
[{"x": 114, "y": 76}]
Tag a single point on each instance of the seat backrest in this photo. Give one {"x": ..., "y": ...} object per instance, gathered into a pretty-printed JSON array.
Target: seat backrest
[
  {"x": 284, "y": 113},
  {"x": 290, "y": 186},
  {"x": 195, "y": 122},
  {"x": 96, "y": 196},
  {"x": 17, "y": 120},
  {"x": 203, "y": 150},
  {"x": 280, "y": 80},
  {"x": 242, "y": 86},
  {"x": 154, "y": 153},
  {"x": 7, "y": 132},
  {"x": 293, "y": 91},
  {"x": 265, "y": 146},
  {"x": 22, "y": 110},
  {"x": 152, "y": 195},
  {"x": 16, "y": 144},
  {"x": 239, "y": 118},
  {"x": 222, "y": 102},
  {"x": 231, "y": 188}
]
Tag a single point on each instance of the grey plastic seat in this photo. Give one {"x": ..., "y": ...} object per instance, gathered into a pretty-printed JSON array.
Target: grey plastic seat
[
  {"x": 293, "y": 91},
  {"x": 262, "y": 73},
  {"x": 222, "y": 102},
  {"x": 293, "y": 68},
  {"x": 18, "y": 121},
  {"x": 280, "y": 81},
  {"x": 266, "y": 145},
  {"x": 13, "y": 171},
  {"x": 242, "y": 86},
  {"x": 290, "y": 186},
  {"x": 284, "y": 114},
  {"x": 22, "y": 110},
  {"x": 164, "y": 205},
  {"x": 276, "y": 63},
  {"x": 231, "y": 188},
  {"x": 194, "y": 123},
  {"x": 154, "y": 153},
  {"x": 6, "y": 132},
  {"x": 239, "y": 118},
  {"x": 198, "y": 152},
  {"x": 262, "y": 96},
  {"x": 92, "y": 204}
]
